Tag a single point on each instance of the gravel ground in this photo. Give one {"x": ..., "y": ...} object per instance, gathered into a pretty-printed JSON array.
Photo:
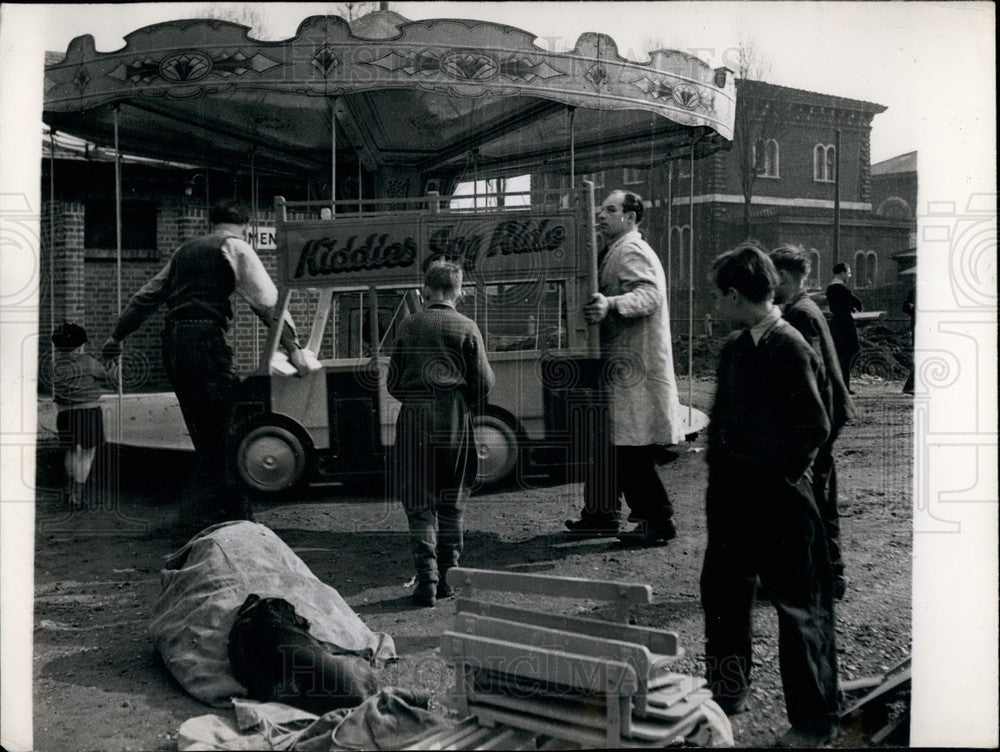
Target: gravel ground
[{"x": 99, "y": 684}]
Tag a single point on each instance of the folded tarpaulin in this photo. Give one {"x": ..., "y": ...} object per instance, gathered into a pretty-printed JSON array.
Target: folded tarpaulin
[
  {"x": 208, "y": 579},
  {"x": 387, "y": 720}
]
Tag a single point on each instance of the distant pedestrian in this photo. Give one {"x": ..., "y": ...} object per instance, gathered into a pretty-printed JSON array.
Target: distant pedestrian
[
  {"x": 768, "y": 420},
  {"x": 842, "y": 304},
  {"x": 196, "y": 286},
  {"x": 439, "y": 372},
  {"x": 910, "y": 309},
  {"x": 76, "y": 388},
  {"x": 631, "y": 307},
  {"x": 799, "y": 310}
]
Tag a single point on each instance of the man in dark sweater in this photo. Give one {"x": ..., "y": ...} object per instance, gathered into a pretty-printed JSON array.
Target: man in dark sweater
[
  {"x": 767, "y": 422},
  {"x": 439, "y": 371},
  {"x": 196, "y": 286},
  {"x": 799, "y": 310}
]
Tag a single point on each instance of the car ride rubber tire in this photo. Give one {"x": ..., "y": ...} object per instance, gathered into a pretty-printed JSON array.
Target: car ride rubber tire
[
  {"x": 270, "y": 458},
  {"x": 497, "y": 447}
]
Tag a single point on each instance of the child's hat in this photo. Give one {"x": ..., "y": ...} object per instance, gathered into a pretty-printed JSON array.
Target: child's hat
[{"x": 68, "y": 336}]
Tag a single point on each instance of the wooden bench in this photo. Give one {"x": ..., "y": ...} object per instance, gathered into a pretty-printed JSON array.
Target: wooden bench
[{"x": 582, "y": 681}]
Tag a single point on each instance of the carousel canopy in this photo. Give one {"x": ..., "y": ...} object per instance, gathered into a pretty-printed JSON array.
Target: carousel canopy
[{"x": 437, "y": 98}]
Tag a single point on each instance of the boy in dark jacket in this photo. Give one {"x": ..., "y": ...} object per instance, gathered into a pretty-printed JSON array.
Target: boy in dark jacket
[
  {"x": 767, "y": 422},
  {"x": 439, "y": 372},
  {"x": 799, "y": 310}
]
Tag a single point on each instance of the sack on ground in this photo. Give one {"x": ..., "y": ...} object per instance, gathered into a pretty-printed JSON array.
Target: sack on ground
[{"x": 205, "y": 583}]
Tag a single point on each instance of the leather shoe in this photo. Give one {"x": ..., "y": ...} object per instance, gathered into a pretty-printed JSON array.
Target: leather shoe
[
  {"x": 444, "y": 591},
  {"x": 590, "y": 529},
  {"x": 645, "y": 533},
  {"x": 424, "y": 594}
]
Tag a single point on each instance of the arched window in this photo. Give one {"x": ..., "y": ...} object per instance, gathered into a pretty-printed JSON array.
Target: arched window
[
  {"x": 894, "y": 207},
  {"x": 860, "y": 269},
  {"x": 865, "y": 268},
  {"x": 815, "y": 277},
  {"x": 824, "y": 163},
  {"x": 765, "y": 158},
  {"x": 871, "y": 269}
]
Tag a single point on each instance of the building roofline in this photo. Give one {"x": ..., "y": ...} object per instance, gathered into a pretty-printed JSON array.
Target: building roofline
[{"x": 815, "y": 98}]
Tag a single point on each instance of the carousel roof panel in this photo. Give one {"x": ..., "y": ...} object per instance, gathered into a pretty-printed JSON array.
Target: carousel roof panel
[{"x": 419, "y": 93}]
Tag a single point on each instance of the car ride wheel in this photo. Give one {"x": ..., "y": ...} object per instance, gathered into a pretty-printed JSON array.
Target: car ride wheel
[
  {"x": 496, "y": 447},
  {"x": 270, "y": 459}
]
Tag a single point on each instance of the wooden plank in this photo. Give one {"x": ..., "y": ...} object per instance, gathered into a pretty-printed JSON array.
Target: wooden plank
[
  {"x": 596, "y": 674},
  {"x": 585, "y": 737},
  {"x": 895, "y": 681},
  {"x": 659, "y": 641},
  {"x": 679, "y": 709},
  {"x": 644, "y": 734},
  {"x": 585, "y": 715},
  {"x": 660, "y": 677},
  {"x": 671, "y": 695},
  {"x": 510, "y": 738},
  {"x": 618, "y": 593}
]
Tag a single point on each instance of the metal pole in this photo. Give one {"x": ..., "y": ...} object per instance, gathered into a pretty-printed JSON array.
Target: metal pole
[
  {"x": 836, "y": 198},
  {"x": 256, "y": 237},
  {"x": 475, "y": 179},
  {"x": 670, "y": 227},
  {"x": 118, "y": 262},
  {"x": 359, "y": 181},
  {"x": 691, "y": 288},
  {"x": 52, "y": 248},
  {"x": 333, "y": 155},
  {"x": 572, "y": 147}
]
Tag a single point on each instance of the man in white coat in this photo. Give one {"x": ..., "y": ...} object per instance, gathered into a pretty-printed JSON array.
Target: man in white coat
[{"x": 631, "y": 307}]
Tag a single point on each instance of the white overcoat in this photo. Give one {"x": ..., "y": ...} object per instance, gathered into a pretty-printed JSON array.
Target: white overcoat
[{"x": 635, "y": 341}]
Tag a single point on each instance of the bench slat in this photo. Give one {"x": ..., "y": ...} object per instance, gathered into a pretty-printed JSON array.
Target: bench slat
[
  {"x": 660, "y": 642},
  {"x": 618, "y": 593},
  {"x": 585, "y": 672}
]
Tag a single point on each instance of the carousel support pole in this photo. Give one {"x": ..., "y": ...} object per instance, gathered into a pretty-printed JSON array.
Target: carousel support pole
[
  {"x": 333, "y": 155},
  {"x": 118, "y": 262},
  {"x": 52, "y": 239},
  {"x": 670, "y": 227},
  {"x": 359, "y": 182},
  {"x": 475, "y": 178},
  {"x": 571, "y": 112},
  {"x": 691, "y": 288},
  {"x": 255, "y": 236}
]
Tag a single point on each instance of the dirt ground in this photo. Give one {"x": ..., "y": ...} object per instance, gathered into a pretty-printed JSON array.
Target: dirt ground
[{"x": 99, "y": 684}]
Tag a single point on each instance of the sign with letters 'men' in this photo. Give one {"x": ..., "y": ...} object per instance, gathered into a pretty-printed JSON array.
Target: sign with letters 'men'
[{"x": 380, "y": 250}]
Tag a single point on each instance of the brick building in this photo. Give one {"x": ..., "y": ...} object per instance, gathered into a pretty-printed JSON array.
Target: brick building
[
  {"x": 163, "y": 204},
  {"x": 894, "y": 196},
  {"x": 792, "y": 200}
]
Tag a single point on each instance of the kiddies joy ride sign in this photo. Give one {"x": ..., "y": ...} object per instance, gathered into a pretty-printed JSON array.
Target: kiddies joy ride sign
[{"x": 352, "y": 251}]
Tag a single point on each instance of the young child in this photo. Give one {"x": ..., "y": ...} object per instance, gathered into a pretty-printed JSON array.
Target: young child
[
  {"x": 76, "y": 389},
  {"x": 439, "y": 372},
  {"x": 767, "y": 422}
]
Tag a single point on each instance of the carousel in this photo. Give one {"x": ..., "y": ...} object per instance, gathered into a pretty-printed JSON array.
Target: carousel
[{"x": 372, "y": 117}]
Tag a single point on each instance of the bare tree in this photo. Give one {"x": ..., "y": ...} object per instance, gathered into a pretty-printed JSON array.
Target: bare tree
[
  {"x": 353, "y": 11},
  {"x": 760, "y": 120},
  {"x": 243, "y": 13}
]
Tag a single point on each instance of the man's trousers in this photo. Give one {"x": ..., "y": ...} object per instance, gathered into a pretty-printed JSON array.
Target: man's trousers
[
  {"x": 199, "y": 364},
  {"x": 760, "y": 524},
  {"x": 432, "y": 469}
]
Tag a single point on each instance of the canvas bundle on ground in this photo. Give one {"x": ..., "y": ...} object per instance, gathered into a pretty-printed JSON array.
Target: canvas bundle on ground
[{"x": 205, "y": 583}]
